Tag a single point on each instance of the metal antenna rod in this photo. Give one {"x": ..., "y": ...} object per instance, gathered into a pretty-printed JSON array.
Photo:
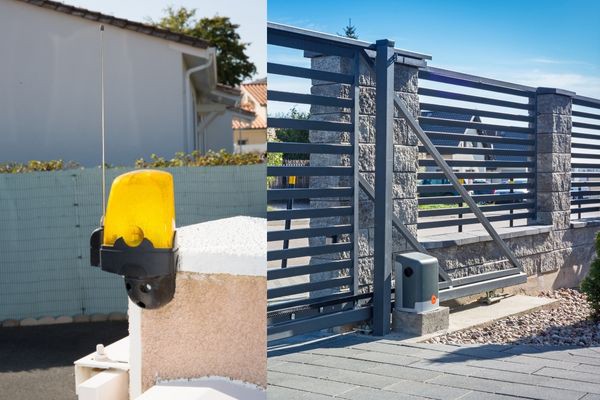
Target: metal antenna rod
[{"x": 103, "y": 122}]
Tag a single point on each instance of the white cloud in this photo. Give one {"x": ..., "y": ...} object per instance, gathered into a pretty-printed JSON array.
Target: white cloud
[{"x": 585, "y": 85}]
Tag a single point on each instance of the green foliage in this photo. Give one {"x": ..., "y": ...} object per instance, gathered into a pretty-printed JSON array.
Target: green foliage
[
  {"x": 294, "y": 135},
  {"x": 350, "y": 30},
  {"x": 36, "y": 166},
  {"x": 273, "y": 159},
  {"x": 195, "y": 159},
  {"x": 591, "y": 283},
  {"x": 233, "y": 65}
]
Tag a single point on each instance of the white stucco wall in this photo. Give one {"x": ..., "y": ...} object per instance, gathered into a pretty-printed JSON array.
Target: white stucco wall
[
  {"x": 50, "y": 89},
  {"x": 219, "y": 134}
]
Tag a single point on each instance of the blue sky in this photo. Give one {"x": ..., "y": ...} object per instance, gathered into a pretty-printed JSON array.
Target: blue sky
[
  {"x": 533, "y": 42},
  {"x": 249, "y": 14}
]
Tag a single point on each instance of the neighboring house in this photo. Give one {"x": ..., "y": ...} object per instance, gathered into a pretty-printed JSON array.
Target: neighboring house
[
  {"x": 251, "y": 136},
  {"x": 508, "y": 146},
  {"x": 472, "y": 131},
  {"x": 455, "y": 142},
  {"x": 161, "y": 90}
]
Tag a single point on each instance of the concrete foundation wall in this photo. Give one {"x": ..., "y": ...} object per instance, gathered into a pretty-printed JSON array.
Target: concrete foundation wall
[{"x": 559, "y": 258}]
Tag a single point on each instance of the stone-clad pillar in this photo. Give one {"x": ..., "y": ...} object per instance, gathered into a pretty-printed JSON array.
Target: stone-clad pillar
[
  {"x": 333, "y": 114},
  {"x": 405, "y": 158},
  {"x": 406, "y": 153},
  {"x": 553, "y": 166}
]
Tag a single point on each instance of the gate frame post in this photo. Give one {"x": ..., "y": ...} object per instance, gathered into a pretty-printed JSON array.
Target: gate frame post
[{"x": 384, "y": 106}]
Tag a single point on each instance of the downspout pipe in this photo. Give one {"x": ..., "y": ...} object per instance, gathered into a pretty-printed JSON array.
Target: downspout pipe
[{"x": 189, "y": 127}]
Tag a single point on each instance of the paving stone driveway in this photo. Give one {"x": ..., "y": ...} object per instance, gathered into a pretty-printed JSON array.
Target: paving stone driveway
[{"x": 361, "y": 367}]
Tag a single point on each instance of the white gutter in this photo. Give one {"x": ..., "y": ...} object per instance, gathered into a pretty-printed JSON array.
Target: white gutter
[{"x": 189, "y": 128}]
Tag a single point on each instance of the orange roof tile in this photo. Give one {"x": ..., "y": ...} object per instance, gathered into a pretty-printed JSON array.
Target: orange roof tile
[{"x": 258, "y": 90}]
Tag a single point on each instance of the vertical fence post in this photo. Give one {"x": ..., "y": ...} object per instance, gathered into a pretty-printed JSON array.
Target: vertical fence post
[
  {"x": 553, "y": 162},
  {"x": 355, "y": 119},
  {"x": 384, "y": 103}
]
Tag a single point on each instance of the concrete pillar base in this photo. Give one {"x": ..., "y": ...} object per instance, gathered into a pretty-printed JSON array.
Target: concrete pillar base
[{"x": 421, "y": 323}]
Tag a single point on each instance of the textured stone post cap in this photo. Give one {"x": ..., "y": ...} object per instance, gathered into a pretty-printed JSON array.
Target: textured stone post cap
[{"x": 548, "y": 90}]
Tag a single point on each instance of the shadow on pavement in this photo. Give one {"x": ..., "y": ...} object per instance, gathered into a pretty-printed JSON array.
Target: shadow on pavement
[{"x": 47, "y": 346}]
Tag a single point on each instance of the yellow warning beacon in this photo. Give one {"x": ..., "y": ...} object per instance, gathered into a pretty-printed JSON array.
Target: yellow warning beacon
[{"x": 137, "y": 239}]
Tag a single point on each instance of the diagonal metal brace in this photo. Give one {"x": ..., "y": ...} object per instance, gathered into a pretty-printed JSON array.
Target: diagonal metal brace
[{"x": 451, "y": 176}]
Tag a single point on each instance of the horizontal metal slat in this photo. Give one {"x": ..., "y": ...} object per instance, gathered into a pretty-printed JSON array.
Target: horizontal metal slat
[
  {"x": 286, "y": 194},
  {"x": 475, "y": 112},
  {"x": 300, "y": 72},
  {"x": 470, "y": 221},
  {"x": 481, "y": 198},
  {"x": 310, "y": 171},
  {"x": 340, "y": 211},
  {"x": 288, "y": 97},
  {"x": 478, "y": 138},
  {"x": 288, "y": 234},
  {"x": 479, "y": 150},
  {"x": 305, "y": 124},
  {"x": 583, "y": 155},
  {"x": 585, "y": 165},
  {"x": 438, "y": 212},
  {"x": 477, "y": 175},
  {"x": 581, "y": 135},
  {"x": 308, "y": 251},
  {"x": 481, "y": 164},
  {"x": 586, "y": 101},
  {"x": 472, "y": 81},
  {"x": 482, "y": 287},
  {"x": 476, "y": 186},
  {"x": 474, "y": 125},
  {"x": 281, "y": 273},
  {"x": 314, "y": 302},
  {"x": 585, "y": 210},
  {"x": 579, "y": 193},
  {"x": 588, "y": 200},
  {"x": 285, "y": 330},
  {"x": 473, "y": 99},
  {"x": 585, "y": 174},
  {"x": 593, "y": 146},
  {"x": 486, "y": 276},
  {"x": 307, "y": 287},
  {"x": 582, "y": 114},
  {"x": 584, "y": 184},
  {"x": 309, "y": 148},
  {"x": 305, "y": 42}
]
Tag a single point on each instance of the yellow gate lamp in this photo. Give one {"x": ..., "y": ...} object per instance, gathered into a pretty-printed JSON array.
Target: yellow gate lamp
[{"x": 137, "y": 237}]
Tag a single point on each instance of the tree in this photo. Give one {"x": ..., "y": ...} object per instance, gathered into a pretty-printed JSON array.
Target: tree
[
  {"x": 350, "y": 30},
  {"x": 233, "y": 65}
]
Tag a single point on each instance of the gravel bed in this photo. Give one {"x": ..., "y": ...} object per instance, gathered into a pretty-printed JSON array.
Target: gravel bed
[{"x": 566, "y": 324}]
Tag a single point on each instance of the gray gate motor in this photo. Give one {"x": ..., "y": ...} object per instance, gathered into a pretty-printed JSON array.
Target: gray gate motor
[
  {"x": 417, "y": 285},
  {"x": 137, "y": 239}
]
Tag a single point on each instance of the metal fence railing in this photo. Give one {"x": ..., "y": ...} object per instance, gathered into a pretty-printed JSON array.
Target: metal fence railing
[
  {"x": 485, "y": 131},
  {"x": 312, "y": 275},
  {"x": 585, "y": 158}
]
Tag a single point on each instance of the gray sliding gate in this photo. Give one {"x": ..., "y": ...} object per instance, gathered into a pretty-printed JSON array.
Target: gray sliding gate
[
  {"x": 299, "y": 305},
  {"x": 297, "y": 308}
]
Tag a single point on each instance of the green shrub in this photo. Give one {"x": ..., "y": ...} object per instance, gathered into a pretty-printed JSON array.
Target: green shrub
[
  {"x": 591, "y": 283},
  {"x": 195, "y": 159},
  {"x": 35, "y": 166}
]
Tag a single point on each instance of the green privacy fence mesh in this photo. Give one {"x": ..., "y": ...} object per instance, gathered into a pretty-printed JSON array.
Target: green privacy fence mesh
[{"x": 46, "y": 219}]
